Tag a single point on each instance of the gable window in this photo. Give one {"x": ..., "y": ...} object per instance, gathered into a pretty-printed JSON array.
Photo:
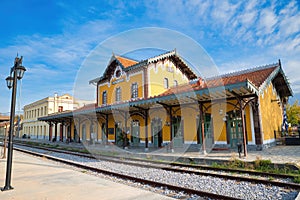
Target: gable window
[
  {"x": 104, "y": 97},
  {"x": 134, "y": 90},
  {"x": 118, "y": 73},
  {"x": 118, "y": 94},
  {"x": 166, "y": 83},
  {"x": 175, "y": 83}
]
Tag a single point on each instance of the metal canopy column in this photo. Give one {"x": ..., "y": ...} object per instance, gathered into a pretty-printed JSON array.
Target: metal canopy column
[
  {"x": 70, "y": 136},
  {"x": 146, "y": 129},
  {"x": 202, "y": 127},
  {"x": 242, "y": 109},
  {"x": 171, "y": 128},
  {"x": 257, "y": 125},
  {"x": 55, "y": 133},
  {"x": 50, "y": 130},
  {"x": 61, "y": 131},
  {"x": 106, "y": 129},
  {"x": 125, "y": 131},
  {"x": 79, "y": 130}
]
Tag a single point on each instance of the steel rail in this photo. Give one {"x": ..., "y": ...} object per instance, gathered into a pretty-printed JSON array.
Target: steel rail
[
  {"x": 195, "y": 166},
  {"x": 167, "y": 167},
  {"x": 122, "y": 176}
]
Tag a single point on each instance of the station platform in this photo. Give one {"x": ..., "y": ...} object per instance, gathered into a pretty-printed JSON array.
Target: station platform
[{"x": 36, "y": 178}]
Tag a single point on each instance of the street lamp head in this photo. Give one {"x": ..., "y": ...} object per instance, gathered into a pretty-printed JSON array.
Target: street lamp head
[
  {"x": 20, "y": 71},
  {"x": 9, "y": 82}
]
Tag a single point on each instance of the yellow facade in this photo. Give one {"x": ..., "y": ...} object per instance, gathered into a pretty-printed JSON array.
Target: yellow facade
[
  {"x": 156, "y": 74},
  {"x": 125, "y": 85},
  {"x": 271, "y": 112},
  {"x": 159, "y": 71},
  {"x": 163, "y": 97}
]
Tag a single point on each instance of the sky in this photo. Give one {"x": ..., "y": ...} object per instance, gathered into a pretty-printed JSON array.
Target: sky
[{"x": 56, "y": 37}]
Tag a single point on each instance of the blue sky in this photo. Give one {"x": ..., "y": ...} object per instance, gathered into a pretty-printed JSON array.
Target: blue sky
[{"x": 55, "y": 37}]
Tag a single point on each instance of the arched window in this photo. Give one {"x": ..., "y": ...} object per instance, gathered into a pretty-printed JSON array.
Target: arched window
[
  {"x": 83, "y": 132},
  {"x": 166, "y": 83},
  {"x": 93, "y": 134},
  {"x": 175, "y": 83}
]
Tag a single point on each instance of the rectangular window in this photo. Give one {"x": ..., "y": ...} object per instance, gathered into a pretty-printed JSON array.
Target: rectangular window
[
  {"x": 134, "y": 90},
  {"x": 104, "y": 97},
  {"x": 118, "y": 94}
]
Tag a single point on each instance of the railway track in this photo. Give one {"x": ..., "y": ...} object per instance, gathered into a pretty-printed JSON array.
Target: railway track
[
  {"x": 135, "y": 179},
  {"x": 195, "y": 169},
  {"x": 174, "y": 167}
]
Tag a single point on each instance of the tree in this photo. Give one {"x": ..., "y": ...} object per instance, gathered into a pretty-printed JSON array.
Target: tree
[{"x": 293, "y": 113}]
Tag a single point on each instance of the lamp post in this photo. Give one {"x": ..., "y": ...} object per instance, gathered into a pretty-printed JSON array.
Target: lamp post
[{"x": 16, "y": 73}]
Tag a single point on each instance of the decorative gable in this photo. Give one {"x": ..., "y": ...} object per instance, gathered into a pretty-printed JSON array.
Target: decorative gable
[{"x": 118, "y": 76}]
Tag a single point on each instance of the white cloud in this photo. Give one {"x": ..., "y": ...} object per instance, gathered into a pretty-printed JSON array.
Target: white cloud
[
  {"x": 267, "y": 22},
  {"x": 52, "y": 61},
  {"x": 257, "y": 33},
  {"x": 223, "y": 11},
  {"x": 290, "y": 19}
]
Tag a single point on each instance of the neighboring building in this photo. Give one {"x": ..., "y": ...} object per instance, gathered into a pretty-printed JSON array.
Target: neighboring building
[
  {"x": 4, "y": 118},
  {"x": 161, "y": 100},
  {"x": 4, "y": 125},
  {"x": 34, "y": 128}
]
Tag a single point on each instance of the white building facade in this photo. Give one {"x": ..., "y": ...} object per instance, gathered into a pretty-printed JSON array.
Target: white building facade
[{"x": 36, "y": 129}]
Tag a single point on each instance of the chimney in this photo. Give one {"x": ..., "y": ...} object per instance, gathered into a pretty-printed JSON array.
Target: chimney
[{"x": 200, "y": 81}]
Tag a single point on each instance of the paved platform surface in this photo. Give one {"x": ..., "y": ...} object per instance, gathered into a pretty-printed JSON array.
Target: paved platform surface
[{"x": 40, "y": 179}]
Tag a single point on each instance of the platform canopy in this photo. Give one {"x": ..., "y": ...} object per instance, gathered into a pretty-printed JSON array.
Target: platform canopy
[{"x": 242, "y": 84}]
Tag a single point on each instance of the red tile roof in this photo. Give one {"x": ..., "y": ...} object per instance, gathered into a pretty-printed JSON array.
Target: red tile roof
[
  {"x": 4, "y": 118},
  {"x": 126, "y": 62},
  {"x": 256, "y": 76},
  {"x": 86, "y": 107}
]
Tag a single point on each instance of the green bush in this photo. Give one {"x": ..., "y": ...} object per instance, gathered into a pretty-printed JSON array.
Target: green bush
[
  {"x": 262, "y": 164},
  {"x": 297, "y": 179},
  {"x": 236, "y": 163}
]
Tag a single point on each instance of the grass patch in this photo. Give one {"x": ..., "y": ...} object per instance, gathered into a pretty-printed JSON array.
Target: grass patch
[
  {"x": 258, "y": 165},
  {"x": 262, "y": 165},
  {"x": 236, "y": 163},
  {"x": 297, "y": 179}
]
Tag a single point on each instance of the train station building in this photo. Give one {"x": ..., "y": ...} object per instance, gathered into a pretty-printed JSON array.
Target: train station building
[{"x": 161, "y": 101}]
